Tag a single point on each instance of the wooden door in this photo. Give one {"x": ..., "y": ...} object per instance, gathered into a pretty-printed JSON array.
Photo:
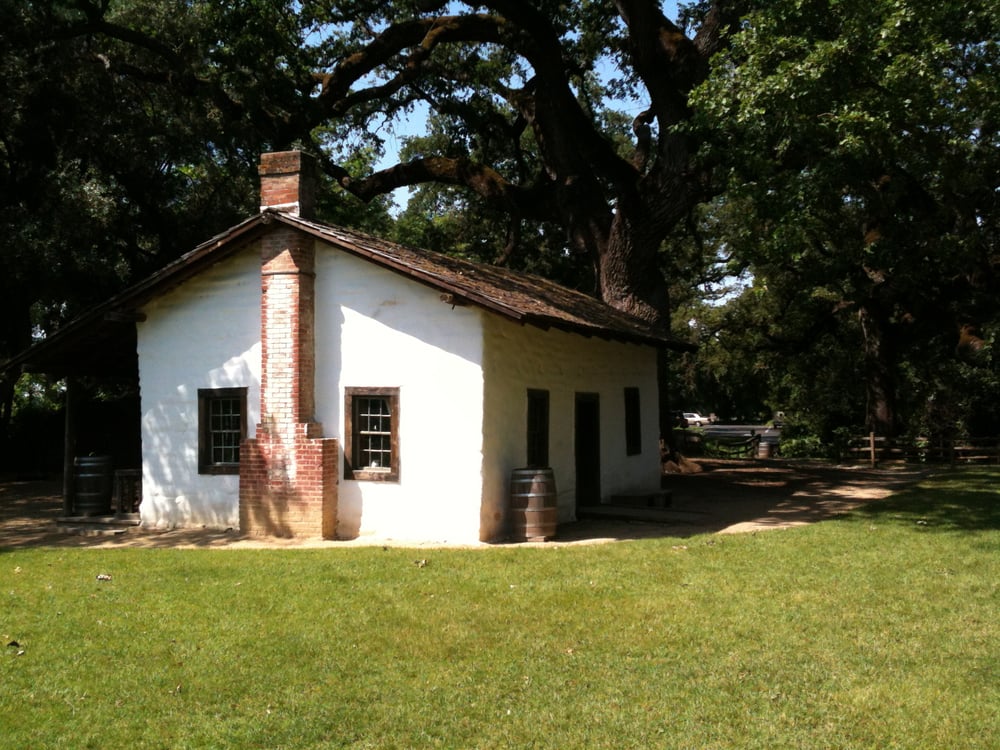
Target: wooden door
[{"x": 587, "y": 439}]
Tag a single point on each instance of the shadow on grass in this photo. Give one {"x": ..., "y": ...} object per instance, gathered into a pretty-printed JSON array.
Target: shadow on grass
[
  {"x": 730, "y": 496},
  {"x": 957, "y": 500}
]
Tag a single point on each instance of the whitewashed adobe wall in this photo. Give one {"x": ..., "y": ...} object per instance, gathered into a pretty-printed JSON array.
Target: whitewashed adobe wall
[
  {"x": 461, "y": 431},
  {"x": 373, "y": 328},
  {"x": 523, "y": 357},
  {"x": 376, "y": 328},
  {"x": 204, "y": 334}
]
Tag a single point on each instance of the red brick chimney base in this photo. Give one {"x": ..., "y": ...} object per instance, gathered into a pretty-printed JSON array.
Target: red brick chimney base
[{"x": 288, "y": 486}]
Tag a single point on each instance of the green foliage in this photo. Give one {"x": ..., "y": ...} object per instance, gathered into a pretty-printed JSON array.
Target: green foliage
[
  {"x": 102, "y": 177},
  {"x": 39, "y": 392},
  {"x": 856, "y": 144},
  {"x": 860, "y": 146},
  {"x": 36, "y": 429},
  {"x": 802, "y": 438},
  {"x": 807, "y": 446},
  {"x": 953, "y": 396}
]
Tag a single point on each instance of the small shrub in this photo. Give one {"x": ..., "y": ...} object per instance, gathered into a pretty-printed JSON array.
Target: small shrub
[{"x": 807, "y": 446}]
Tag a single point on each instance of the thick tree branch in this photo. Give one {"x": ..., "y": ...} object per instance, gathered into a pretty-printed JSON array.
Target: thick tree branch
[
  {"x": 578, "y": 162},
  {"x": 566, "y": 133},
  {"x": 97, "y": 24},
  {"x": 568, "y": 137},
  {"x": 482, "y": 180},
  {"x": 668, "y": 63},
  {"x": 421, "y": 36}
]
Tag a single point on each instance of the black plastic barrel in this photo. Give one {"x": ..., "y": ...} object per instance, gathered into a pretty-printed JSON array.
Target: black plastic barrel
[
  {"x": 534, "y": 511},
  {"x": 93, "y": 485}
]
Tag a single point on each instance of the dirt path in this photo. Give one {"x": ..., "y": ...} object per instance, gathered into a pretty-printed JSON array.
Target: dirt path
[
  {"x": 748, "y": 495},
  {"x": 724, "y": 497}
]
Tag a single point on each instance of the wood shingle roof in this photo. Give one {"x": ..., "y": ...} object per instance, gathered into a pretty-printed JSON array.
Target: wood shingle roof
[{"x": 103, "y": 341}]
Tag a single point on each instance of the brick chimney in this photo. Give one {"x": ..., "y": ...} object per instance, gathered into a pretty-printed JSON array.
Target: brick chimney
[
  {"x": 288, "y": 182},
  {"x": 288, "y": 471}
]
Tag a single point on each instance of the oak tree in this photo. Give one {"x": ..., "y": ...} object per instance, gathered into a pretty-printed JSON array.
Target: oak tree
[
  {"x": 527, "y": 92},
  {"x": 863, "y": 143}
]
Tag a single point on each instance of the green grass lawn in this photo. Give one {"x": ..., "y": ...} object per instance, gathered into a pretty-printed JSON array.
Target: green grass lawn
[{"x": 878, "y": 630}]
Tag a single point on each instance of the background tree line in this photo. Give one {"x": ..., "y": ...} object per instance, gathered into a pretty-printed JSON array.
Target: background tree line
[{"x": 806, "y": 188}]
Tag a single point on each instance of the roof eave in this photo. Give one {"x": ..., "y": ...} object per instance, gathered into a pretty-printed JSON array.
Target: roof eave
[
  {"x": 122, "y": 307},
  {"x": 589, "y": 331},
  {"x": 471, "y": 297},
  {"x": 428, "y": 279}
]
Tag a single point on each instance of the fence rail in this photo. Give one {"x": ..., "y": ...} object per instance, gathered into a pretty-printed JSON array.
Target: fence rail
[
  {"x": 874, "y": 449},
  {"x": 695, "y": 443}
]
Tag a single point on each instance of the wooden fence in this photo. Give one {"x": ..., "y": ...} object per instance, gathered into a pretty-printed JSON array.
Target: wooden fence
[
  {"x": 694, "y": 443},
  {"x": 874, "y": 449}
]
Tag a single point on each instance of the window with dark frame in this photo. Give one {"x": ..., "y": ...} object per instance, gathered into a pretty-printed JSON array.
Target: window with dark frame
[
  {"x": 222, "y": 427},
  {"x": 538, "y": 428},
  {"x": 371, "y": 433},
  {"x": 633, "y": 423}
]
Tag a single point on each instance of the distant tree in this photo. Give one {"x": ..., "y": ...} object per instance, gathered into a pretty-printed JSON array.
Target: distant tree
[{"x": 864, "y": 150}]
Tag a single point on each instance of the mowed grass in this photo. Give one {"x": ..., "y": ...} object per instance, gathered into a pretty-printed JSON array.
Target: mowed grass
[{"x": 877, "y": 630}]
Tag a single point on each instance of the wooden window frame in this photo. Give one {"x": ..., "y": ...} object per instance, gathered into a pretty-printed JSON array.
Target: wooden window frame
[
  {"x": 633, "y": 422},
  {"x": 538, "y": 425},
  {"x": 206, "y": 397},
  {"x": 352, "y": 442}
]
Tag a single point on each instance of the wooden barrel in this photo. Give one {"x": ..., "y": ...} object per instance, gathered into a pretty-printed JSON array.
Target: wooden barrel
[
  {"x": 534, "y": 513},
  {"x": 93, "y": 486}
]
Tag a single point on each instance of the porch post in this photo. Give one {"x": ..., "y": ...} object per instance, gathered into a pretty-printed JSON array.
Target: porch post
[{"x": 69, "y": 445}]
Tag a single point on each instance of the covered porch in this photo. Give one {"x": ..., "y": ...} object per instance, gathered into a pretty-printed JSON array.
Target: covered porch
[{"x": 90, "y": 443}]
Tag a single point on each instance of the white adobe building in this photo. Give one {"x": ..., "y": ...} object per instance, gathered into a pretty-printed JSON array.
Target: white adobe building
[{"x": 301, "y": 379}]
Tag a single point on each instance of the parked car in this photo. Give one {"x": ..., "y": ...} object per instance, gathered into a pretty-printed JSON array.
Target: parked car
[{"x": 695, "y": 419}]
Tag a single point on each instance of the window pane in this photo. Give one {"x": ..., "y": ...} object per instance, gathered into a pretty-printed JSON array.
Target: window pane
[
  {"x": 225, "y": 422},
  {"x": 374, "y": 432},
  {"x": 371, "y": 421},
  {"x": 221, "y": 428}
]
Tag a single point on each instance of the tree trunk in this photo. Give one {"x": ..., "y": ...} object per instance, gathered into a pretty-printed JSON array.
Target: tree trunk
[
  {"x": 879, "y": 361},
  {"x": 7, "y": 386},
  {"x": 629, "y": 275},
  {"x": 630, "y": 280}
]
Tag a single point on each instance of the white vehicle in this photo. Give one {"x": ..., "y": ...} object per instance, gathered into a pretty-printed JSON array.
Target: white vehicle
[{"x": 694, "y": 419}]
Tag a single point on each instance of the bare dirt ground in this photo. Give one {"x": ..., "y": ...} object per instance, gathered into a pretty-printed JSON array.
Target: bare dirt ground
[{"x": 723, "y": 497}]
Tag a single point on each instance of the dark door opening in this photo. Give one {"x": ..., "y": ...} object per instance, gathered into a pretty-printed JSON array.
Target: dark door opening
[
  {"x": 587, "y": 441},
  {"x": 538, "y": 428}
]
